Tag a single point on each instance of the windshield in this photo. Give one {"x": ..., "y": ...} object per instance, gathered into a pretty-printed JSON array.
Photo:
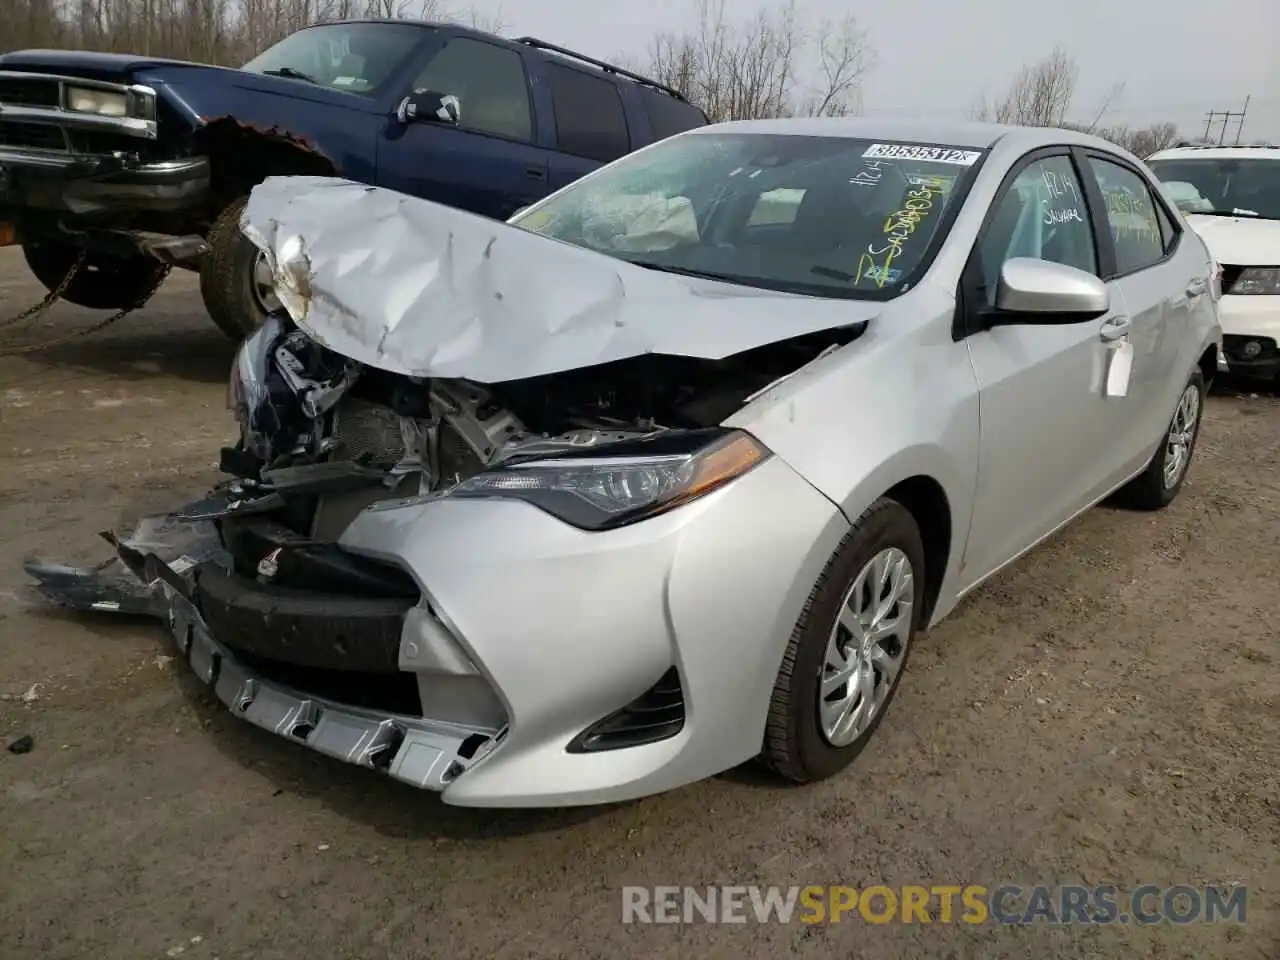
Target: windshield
[
  {"x": 356, "y": 57},
  {"x": 827, "y": 216},
  {"x": 1227, "y": 186}
]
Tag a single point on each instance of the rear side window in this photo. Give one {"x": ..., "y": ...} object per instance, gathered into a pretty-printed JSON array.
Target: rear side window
[
  {"x": 1131, "y": 216},
  {"x": 589, "y": 118},
  {"x": 667, "y": 115}
]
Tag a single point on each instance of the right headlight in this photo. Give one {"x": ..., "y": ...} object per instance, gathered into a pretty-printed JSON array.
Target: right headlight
[
  {"x": 1256, "y": 281},
  {"x": 247, "y": 392},
  {"x": 103, "y": 103},
  {"x": 595, "y": 492}
]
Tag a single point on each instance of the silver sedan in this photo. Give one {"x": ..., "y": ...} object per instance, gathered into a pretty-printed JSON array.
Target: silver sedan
[{"x": 668, "y": 473}]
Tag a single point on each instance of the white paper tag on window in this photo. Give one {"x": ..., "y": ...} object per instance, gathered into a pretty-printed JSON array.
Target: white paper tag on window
[{"x": 1119, "y": 367}]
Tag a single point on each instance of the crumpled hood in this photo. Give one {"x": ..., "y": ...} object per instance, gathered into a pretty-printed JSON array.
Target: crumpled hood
[
  {"x": 1239, "y": 241},
  {"x": 421, "y": 289}
]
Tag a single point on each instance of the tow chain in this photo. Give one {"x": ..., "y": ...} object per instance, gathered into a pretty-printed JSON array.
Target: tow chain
[{"x": 54, "y": 295}]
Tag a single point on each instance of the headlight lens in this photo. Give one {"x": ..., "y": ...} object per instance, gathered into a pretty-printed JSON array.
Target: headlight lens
[
  {"x": 247, "y": 389},
  {"x": 598, "y": 493},
  {"x": 105, "y": 103},
  {"x": 1256, "y": 280}
]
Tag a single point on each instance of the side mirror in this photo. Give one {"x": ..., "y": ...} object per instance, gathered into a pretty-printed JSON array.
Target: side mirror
[
  {"x": 1040, "y": 291},
  {"x": 427, "y": 106}
]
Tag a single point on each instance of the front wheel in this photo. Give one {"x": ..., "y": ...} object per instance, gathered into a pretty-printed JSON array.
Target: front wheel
[
  {"x": 1158, "y": 485},
  {"x": 102, "y": 282},
  {"x": 848, "y": 651},
  {"x": 235, "y": 280}
]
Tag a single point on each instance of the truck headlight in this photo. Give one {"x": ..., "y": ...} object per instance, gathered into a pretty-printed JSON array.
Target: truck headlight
[
  {"x": 104, "y": 103},
  {"x": 595, "y": 492}
]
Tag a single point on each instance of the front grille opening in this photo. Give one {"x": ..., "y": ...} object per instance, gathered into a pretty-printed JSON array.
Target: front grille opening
[
  {"x": 655, "y": 715},
  {"x": 29, "y": 93},
  {"x": 386, "y": 692},
  {"x": 34, "y": 136}
]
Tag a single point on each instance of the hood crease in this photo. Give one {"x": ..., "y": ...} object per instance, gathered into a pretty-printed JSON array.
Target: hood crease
[{"x": 426, "y": 290}]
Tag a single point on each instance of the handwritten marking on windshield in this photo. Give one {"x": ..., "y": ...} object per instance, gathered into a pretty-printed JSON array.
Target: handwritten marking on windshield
[
  {"x": 869, "y": 175},
  {"x": 899, "y": 226}
]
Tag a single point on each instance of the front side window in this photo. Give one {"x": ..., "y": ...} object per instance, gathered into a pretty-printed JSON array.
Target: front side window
[
  {"x": 827, "y": 216},
  {"x": 1222, "y": 186},
  {"x": 590, "y": 121},
  {"x": 1042, "y": 215},
  {"x": 1131, "y": 216},
  {"x": 489, "y": 83},
  {"x": 355, "y": 57}
]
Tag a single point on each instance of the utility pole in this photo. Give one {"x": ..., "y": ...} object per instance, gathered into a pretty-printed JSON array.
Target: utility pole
[
  {"x": 1240, "y": 125},
  {"x": 1226, "y": 116}
]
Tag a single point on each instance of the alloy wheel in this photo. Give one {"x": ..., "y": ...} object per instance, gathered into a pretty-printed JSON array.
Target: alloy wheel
[
  {"x": 867, "y": 646},
  {"x": 1182, "y": 433}
]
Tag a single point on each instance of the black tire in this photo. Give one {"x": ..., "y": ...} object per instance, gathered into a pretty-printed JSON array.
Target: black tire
[
  {"x": 102, "y": 282},
  {"x": 795, "y": 746},
  {"x": 1148, "y": 490},
  {"x": 226, "y": 275}
]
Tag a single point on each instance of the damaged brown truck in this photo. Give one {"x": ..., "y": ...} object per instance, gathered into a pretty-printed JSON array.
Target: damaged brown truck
[{"x": 115, "y": 168}]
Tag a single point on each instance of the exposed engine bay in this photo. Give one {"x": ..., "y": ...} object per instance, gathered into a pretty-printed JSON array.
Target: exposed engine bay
[{"x": 302, "y": 405}]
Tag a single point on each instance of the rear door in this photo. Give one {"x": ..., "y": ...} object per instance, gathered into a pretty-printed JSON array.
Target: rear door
[
  {"x": 490, "y": 162},
  {"x": 590, "y": 122},
  {"x": 1160, "y": 289},
  {"x": 1048, "y": 431}
]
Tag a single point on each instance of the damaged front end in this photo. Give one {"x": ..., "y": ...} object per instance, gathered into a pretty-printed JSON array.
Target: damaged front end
[
  {"x": 343, "y": 650},
  {"x": 314, "y": 590}
]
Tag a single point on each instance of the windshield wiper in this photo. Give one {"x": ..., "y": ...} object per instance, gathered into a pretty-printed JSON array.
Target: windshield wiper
[
  {"x": 291, "y": 73},
  {"x": 1234, "y": 212},
  {"x": 682, "y": 271}
]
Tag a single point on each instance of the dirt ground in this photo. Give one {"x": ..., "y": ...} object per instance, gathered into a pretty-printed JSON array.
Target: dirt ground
[{"x": 1108, "y": 711}]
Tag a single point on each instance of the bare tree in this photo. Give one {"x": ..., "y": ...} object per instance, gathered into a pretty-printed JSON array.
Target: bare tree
[
  {"x": 208, "y": 31},
  {"x": 1040, "y": 96},
  {"x": 737, "y": 70},
  {"x": 1142, "y": 141}
]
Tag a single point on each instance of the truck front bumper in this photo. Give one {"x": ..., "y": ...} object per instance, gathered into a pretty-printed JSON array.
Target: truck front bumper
[{"x": 57, "y": 157}]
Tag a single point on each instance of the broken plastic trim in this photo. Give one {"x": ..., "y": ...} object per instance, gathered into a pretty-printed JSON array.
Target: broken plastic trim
[{"x": 428, "y": 754}]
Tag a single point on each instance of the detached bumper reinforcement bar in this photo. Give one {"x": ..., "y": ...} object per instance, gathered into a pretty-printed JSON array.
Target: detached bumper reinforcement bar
[{"x": 426, "y": 753}]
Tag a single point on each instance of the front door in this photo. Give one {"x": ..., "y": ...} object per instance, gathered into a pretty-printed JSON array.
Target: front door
[
  {"x": 489, "y": 163},
  {"x": 1047, "y": 426}
]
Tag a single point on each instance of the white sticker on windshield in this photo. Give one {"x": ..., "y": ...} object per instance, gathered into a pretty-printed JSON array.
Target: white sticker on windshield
[{"x": 907, "y": 151}]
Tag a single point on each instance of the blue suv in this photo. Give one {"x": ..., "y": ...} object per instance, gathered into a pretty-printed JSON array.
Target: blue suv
[{"x": 114, "y": 167}]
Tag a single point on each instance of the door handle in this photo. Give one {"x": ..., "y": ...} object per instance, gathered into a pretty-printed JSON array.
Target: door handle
[
  {"x": 1197, "y": 287},
  {"x": 535, "y": 173},
  {"x": 1116, "y": 328}
]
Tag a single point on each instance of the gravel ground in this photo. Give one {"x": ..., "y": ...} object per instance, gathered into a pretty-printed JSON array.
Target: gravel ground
[{"x": 1104, "y": 712}]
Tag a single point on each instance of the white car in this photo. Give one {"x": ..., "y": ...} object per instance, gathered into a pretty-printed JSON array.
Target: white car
[
  {"x": 667, "y": 473},
  {"x": 1231, "y": 197}
]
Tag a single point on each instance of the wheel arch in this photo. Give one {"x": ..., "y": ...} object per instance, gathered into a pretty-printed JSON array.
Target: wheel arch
[
  {"x": 242, "y": 155},
  {"x": 926, "y": 500}
]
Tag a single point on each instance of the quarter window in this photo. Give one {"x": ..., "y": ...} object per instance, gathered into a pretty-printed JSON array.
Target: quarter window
[
  {"x": 589, "y": 118},
  {"x": 1131, "y": 216},
  {"x": 1042, "y": 215},
  {"x": 489, "y": 83}
]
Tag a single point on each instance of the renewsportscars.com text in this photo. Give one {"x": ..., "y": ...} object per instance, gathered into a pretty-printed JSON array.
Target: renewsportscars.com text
[{"x": 936, "y": 903}]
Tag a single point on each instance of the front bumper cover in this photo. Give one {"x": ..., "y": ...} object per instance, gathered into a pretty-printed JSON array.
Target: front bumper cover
[
  {"x": 555, "y": 628},
  {"x": 424, "y": 753},
  {"x": 152, "y": 575}
]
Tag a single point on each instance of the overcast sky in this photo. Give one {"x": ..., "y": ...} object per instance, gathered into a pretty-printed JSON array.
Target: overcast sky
[{"x": 1177, "y": 59}]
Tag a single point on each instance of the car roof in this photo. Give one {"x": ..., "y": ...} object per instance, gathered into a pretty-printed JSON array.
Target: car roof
[
  {"x": 1259, "y": 152},
  {"x": 969, "y": 134}
]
